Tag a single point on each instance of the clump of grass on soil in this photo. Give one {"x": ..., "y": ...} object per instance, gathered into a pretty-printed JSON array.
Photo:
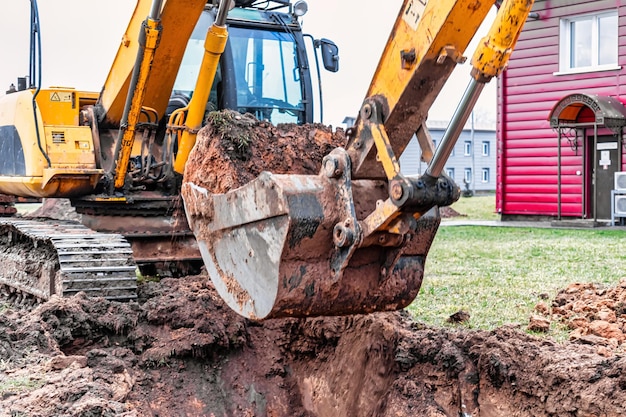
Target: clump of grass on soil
[{"x": 18, "y": 384}]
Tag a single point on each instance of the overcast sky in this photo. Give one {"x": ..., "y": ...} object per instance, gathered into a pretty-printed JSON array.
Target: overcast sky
[{"x": 80, "y": 38}]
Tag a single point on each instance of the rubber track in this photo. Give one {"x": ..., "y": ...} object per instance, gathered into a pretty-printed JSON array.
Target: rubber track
[{"x": 71, "y": 258}]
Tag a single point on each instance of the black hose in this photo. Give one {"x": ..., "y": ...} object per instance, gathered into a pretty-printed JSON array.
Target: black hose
[
  {"x": 35, "y": 55},
  {"x": 129, "y": 97}
]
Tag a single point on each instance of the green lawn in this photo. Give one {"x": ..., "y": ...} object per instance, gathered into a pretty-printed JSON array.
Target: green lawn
[{"x": 498, "y": 274}]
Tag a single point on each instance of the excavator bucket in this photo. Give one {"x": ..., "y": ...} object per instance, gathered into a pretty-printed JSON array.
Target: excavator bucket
[
  {"x": 279, "y": 223},
  {"x": 281, "y": 246}
]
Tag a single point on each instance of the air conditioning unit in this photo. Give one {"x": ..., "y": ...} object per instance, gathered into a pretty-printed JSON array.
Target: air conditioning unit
[
  {"x": 620, "y": 181},
  {"x": 620, "y": 205}
]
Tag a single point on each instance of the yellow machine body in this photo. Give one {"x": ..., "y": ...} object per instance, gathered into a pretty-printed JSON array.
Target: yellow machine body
[
  {"x": 54, "y": 151},
  {"x": 49, "y": 125},
  {"x": 178, "y": 17}
]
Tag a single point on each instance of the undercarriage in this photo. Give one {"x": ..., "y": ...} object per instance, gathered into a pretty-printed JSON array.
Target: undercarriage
[{"x": 46, "y": 257}]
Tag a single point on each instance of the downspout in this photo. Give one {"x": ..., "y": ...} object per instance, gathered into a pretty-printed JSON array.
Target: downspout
[
  {"x": 585, "y": 207},
  {"x": 558, "y": 175},
  {"x": 500, "y": 143},
  {"x": 595, "y": 173},
  {"x": 620, "y": 137}
]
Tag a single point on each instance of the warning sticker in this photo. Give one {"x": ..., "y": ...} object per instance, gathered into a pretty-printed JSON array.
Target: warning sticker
[
  {"x": 60, "y": 96},
  {"x": 413, "y": 12}
]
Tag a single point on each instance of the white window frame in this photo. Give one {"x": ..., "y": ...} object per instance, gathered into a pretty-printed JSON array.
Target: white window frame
[
  {"x": 468, "y": 176},
  {"x": 486, "y": 147},
  {"x": 485, "y": 175},
  {"x": 450, "y": 172},
  {"x": 467, "y": 150},
  {"x": 565, "y": 41}
]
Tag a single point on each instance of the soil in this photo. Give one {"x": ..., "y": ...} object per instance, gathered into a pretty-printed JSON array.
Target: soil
[
  {"x": 594, "y": 314},
  {"x": 247, "y": 146},
  {"x": 180, "y": 352},
  {"x": 448, "y": 212},
  {"x": 56, "y": 208}
]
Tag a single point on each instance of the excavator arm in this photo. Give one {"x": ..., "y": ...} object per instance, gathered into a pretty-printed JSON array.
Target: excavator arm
[
  {"x": 179, "y": 15},
  {"x": 354, "y": 239},
  {"x": 145, "y": 82},
  {"x": 428, "y": 40},
  {"x": 372, "y": 147}
]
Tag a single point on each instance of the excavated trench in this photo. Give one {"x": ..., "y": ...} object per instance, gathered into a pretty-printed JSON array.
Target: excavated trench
[{"x": 179, "y": 351}]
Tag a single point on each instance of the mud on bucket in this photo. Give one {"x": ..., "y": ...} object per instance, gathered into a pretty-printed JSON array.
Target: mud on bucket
[{"x": 270, "y": 251}]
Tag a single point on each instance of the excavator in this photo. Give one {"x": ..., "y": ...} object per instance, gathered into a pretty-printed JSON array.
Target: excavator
[{"x": 352, "y": 239}]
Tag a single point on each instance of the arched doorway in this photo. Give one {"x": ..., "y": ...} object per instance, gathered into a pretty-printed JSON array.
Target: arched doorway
[{"x": 592, "y": 126}]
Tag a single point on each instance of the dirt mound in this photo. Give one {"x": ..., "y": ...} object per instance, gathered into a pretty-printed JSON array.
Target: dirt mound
[
  {"x": 56, "y": 208},
  {"x": 594, "y": 314},
  {"x": 180, "y": 352},
  {"x": 248, "y": 146},
  {"x": 449, "y": 212}
]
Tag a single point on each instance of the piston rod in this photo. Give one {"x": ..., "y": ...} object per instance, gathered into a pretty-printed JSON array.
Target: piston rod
[{"x": 461, "y": 114}]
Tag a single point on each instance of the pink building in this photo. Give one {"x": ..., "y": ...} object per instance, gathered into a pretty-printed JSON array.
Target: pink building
[{"x": 560, "y": 113}]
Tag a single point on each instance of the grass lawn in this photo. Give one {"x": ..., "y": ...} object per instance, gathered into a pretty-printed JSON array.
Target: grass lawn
[{"x": 498, "y": 274}]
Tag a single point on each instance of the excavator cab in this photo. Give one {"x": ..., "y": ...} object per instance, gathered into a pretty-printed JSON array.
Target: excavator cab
[{"x": 263, "y": 70}]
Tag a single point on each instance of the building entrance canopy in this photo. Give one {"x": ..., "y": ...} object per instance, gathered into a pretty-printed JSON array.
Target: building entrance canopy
[{"x": 572, "y": 111}]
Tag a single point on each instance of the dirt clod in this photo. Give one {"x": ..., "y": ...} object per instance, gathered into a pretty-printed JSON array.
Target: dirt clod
[
  {"x": 460, "y": 316},
  {"x": 56, "y": 208},
  {"x": 594, "y": 313},
  {"x": 539, "y": 324},
  {"x": 448, "y": 212}
]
